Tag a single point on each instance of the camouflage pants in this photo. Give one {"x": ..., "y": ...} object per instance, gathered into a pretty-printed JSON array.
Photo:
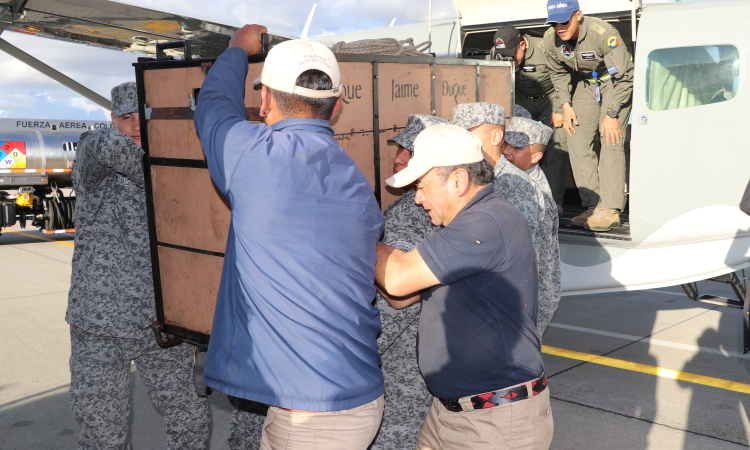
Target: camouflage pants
[
  {"x": 407, "y": 399},
  {"x": 99, "y": 390},
  {"x": 246, "y": 426}
]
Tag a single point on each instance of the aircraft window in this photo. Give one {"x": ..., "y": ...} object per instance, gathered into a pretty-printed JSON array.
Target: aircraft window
[{"x": 684, "y": 77}]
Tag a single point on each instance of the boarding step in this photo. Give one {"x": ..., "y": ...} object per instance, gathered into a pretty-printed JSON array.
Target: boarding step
[{"x": 570, "y": 211}]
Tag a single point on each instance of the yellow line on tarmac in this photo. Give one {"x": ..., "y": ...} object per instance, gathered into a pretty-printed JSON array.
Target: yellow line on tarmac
[
  {"x": 650, "y": 370},
  {"x": 41, "y": 238}
]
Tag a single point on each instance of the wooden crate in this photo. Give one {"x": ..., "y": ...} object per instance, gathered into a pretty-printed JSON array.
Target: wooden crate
[{"x": 188, "y": 216}]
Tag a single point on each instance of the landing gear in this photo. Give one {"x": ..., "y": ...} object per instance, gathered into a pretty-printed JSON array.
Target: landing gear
[{"x": 739, "y": 286}]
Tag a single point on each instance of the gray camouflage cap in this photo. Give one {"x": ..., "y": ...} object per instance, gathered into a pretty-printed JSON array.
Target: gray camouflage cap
[
  {"x": 470, "y": 115},
  {"x": 124, "y": 99},
  {"x": 414, "y": 126},
  {"x": 523, "y": 132},
  {"x": 520, "y": 111}
]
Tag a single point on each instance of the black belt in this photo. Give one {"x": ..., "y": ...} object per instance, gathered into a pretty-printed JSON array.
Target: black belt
[
  {"x": 497, "y": 398},
  {"x": 531, "y": 97}
]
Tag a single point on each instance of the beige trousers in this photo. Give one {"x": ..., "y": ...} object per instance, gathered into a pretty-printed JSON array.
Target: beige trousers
[
  {"x": 350, "y": 429},
  {"x": 525, "y": 424}
]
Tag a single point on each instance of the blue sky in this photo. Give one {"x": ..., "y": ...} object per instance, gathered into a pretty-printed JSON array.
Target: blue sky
[{"x": 28, "y": 94}]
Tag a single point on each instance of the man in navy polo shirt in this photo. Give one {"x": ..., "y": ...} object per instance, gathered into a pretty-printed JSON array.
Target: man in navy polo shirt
[{"x": 478, "y": 348}]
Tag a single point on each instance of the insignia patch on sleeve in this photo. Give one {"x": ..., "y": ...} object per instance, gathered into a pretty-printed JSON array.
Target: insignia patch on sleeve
[
  {"x": 598, "y": 28},
  {"x": 612, "y": 70},
  {"x": 588, "y": 56},
  {"x": 613, "y": 42}
]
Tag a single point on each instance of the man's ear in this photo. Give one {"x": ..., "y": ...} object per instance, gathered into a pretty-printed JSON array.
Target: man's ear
[
  {"x": 336, "y": 107},
  {"x": 461, "y": 178},
  {"x": 497, "y": 136},
  {"x": 536, "y": 157},
  {"x": 265, "y": 101},
  {"x": 114, "y": 120}
]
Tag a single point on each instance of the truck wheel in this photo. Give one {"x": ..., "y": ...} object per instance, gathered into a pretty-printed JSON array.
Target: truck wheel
[
  {"x": 8, "y": 213},
  {"x": 49, "y": 216}
]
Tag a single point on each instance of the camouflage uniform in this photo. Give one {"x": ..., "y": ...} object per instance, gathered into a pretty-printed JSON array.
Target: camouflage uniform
[
  {"x": 406, "y": 396},
  {"x": 521, "y": 133},
  {"x": 246, "y": 425},
  {"x": 111, "y": 300},
  {"x": 526, "y": 195}
]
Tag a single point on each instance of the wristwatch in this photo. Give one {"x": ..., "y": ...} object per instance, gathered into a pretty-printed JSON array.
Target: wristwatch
[{"x": 612, "y": 113}]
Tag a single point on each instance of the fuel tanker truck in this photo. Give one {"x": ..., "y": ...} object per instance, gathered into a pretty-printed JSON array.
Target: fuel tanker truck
[{"x": 35, "y": 167}]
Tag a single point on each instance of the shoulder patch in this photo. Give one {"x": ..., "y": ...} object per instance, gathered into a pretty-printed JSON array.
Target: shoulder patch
[
  {"x": 550, "y": 30},
  {"x": 598, "y": 28},
  {"x": 613, "y": 42},
  {"x": 540, "y": 44}
]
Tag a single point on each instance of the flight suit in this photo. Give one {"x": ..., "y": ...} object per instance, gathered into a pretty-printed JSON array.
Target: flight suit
[
  {"x": 535, "y": 92},
  {"x": 599, "y": 49}
]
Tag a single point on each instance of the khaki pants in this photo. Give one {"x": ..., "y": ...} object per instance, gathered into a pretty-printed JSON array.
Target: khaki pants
[
  {"x": 350, "y": 429},
  {"x": 521, "y": 425},
  {"x": 556, "y": 158},
  {"x": 600, "y": 181}
]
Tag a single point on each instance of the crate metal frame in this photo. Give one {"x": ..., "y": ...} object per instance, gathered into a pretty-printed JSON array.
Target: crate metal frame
[{"x": 182, "y": 113}]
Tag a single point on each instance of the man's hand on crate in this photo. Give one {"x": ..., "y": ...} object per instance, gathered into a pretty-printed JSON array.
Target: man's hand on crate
[{"x": 248, "y": 39}]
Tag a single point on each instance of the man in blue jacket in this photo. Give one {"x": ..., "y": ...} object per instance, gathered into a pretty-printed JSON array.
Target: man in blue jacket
[{"x": 294, "y": 325}]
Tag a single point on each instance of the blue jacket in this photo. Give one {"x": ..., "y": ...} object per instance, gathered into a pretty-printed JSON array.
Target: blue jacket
[{"x": 294, "y": 325}]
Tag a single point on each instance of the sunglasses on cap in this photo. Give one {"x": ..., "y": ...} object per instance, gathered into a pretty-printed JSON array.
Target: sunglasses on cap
[{"x": 554, "y": 24}]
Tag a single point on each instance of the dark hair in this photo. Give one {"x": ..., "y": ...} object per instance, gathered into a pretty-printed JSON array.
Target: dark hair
[
  {"x": 293, "y": 105},
  {"x": 480, "y": 173}
]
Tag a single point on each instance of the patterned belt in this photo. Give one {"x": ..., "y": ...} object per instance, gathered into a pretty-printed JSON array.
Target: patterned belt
[
  {"x": 498, "y": 398},
  {"x": 530, "y": 97}
]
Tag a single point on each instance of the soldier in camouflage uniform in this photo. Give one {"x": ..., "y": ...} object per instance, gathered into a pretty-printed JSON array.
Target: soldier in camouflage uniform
[
  {"x": 487, "y": 121},
  {"x": 588, "y": 57},
  {"x": 536, "y": 93},
  {"x": 525, "y": 142},
  {"x": 111, "y": 299},
  {"x": 406, "y": 396}
]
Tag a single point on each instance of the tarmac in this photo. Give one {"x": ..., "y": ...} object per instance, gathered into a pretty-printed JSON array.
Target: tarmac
[{"x": 630, "y": 370}]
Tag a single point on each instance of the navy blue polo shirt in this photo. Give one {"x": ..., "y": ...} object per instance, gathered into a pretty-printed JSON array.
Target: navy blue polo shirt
[{"x": 477, "y": 330}]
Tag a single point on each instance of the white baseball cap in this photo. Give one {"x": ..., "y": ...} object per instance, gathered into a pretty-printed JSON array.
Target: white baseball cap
[
  {"x": 286, "y": 61},
  {"x": 439, "y": 146}
]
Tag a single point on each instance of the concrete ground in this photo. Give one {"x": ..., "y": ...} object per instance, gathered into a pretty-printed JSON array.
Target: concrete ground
[{"x": 616, "y": 403}]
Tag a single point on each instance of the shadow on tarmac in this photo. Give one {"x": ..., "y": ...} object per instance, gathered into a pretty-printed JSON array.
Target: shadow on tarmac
[
  {"x": 44, "y": 421},
  {"x": 733, "y": 417}
]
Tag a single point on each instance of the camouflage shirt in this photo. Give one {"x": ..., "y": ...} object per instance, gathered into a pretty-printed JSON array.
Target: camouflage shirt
[
  {"x": 406, "y": 396},
  {"x": 111, "y": 288},
  {"x": 521, "y": 191},
  {"x": 538, "y": 176},
  {"x": 548, "y": 262}
]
